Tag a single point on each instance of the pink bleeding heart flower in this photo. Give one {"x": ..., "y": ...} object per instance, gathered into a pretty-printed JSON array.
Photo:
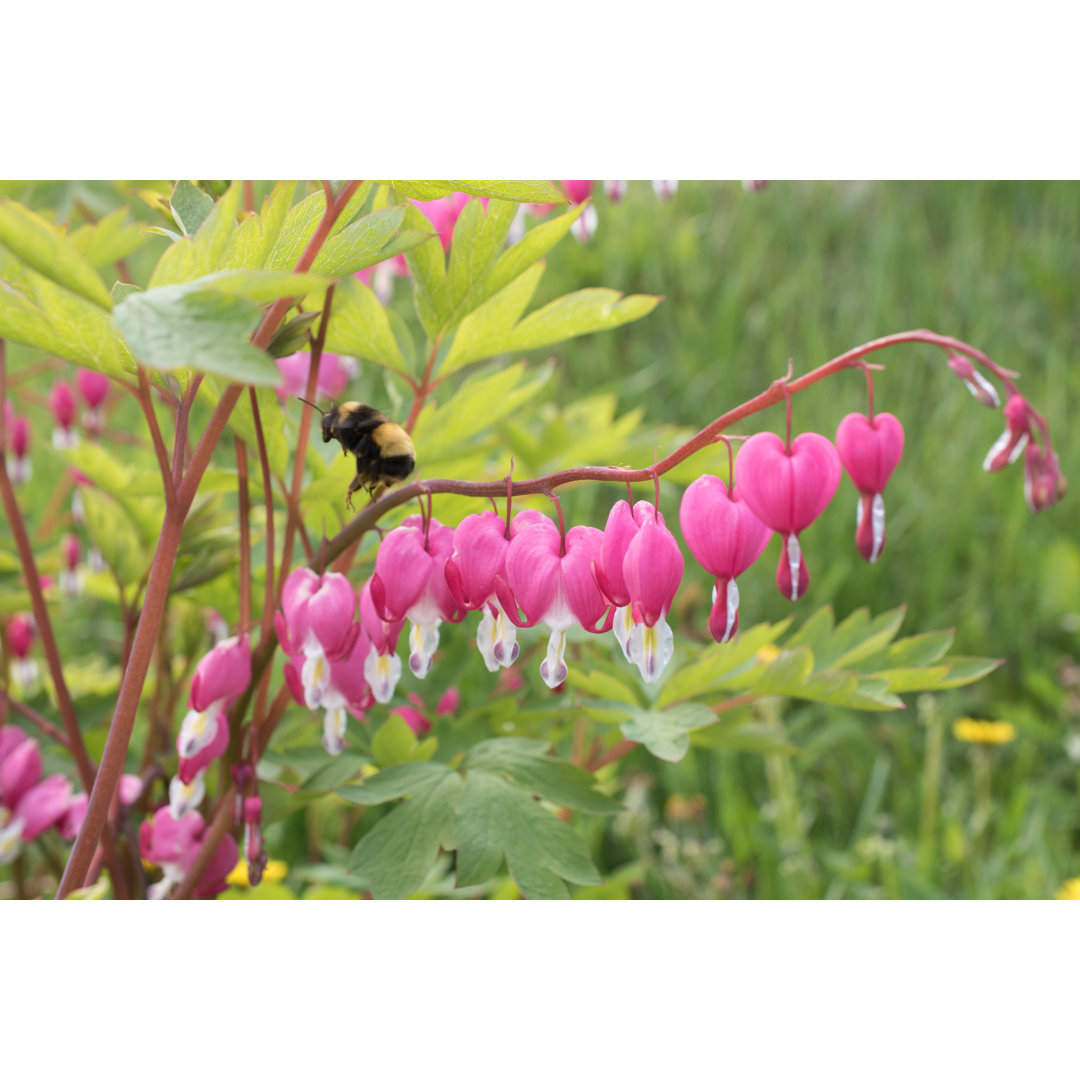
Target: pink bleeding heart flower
[
  {"x": 478, "y": 558},
  {"x": 68, "y": 826},
  {"x": 318, "y": 622},
  {"x": 665, "y": 189},
  {"x": 410, "y": 583},
  {"x": 870, "y": 448},
  {"x": 21, "y": 466},
  {"x": 584, "y": 227},
  {"x": 1011, "y": 442},
  {"x": 346, "y": 692},
  {"x": 787, "y": 488},
  {"x": 70, "y": 556},
  {"x": 449, "y": 702},
  {"x": 981, "y": 388},
  {"x": 1044, "y": 482},
  {"x": 20, "y": 636},
  {"x": 173, "y": 845},
  {"x": 727, "y": 538},
  {"x": 221, "y": 676},
  {"x": 222, "y": 862},
  {"x": 615, "y": 190},
  {"x": 20, "y": 766},
  {"x": 94, "y": 388},
  {"x": 10, "y": 737},
  {"x": 43, "y": 806},
  {"x": 335, "y": 372},
  {"x": 652, "y": 569},
  {"x": 62, "y": 407},
  {"x": 382, "y": 668},
  {"x": 551, "y": 578}
]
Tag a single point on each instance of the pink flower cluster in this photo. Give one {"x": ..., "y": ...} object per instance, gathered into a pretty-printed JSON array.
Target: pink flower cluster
[
  {"x": 30, "y": 805},
  {"x": 173, "y": 843}
]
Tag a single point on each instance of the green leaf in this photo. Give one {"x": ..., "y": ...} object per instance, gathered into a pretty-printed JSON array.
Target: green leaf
[
  {"x": 109, "y": 527},
  {"x": 716, "y": 662},
  {"x": 400, "y": 851},
  {"x": 498, "y": 820},
  {"x": 919, "y": 650},
  {"x": 190, "y": 328},
  {"x": 478, "y": 239},
  {"x": 250, "y": 245},
  {"x": 522, "y": 191},
  {"x": 666, "y": 732},
  {"x": 204, "y": 252},
  {"x": 370, "y": 240},
  {"x": 747, "y": 737},
  {"x": 427, "y": 268},
  {"x": 486, "y": 331},
  {"x": 302, "y": 221},
  {"x": 293, "y": 336},
  {"x": 581, "y": 312},
  {"x": 550, "y": 778},
  {"x": 359, "y": 327},
  {"x": 858, "y": 637},
  {"x": 395, "y": 782},
  {"x": 336, "y": 771},
  {"x": 602, "y": 684},
  {"x": 241, "y": 422},
  {"x": 967, "y": 669},
  {"x": 262, "y": 286},
  {"x": 43, "y": 246},
  {"x": 190, "y": 205},
  {"x": 478, "y": 403},
  {"x": 108, "y": 240},
  {"x": 394, "y": 742}
]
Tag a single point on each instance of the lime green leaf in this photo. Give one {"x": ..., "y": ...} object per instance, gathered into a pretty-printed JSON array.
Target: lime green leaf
[
  {"x": 110, "y": 531},
  {"x": 909, "y": 679},
  {"x": 478, "y": 403},
  {"x": 242, "y": 422},
  {"x": 522, "y": 191},
  {"x": 858, "y": 637},
  {"x": 498, "y": 820},
  {"x": 370, "y": 240},
  {"x": 967, "y": 669},
  {"x": 262, "y": 286},
  {"x": 302, "y": 221},
  {"x": 602, "y": 684},
  {"x": 121, "y": 290},
  {"x": 109, "y": 240},
  {"x": 395, "y": 782},
  {"x": 190, "y": 205},
  {"x": 478, "y": 239},
  {"x": 526, "y": 762},
  {"x": 748, "y": 737},
  {"x": 666, "y": 732},
  {"x": 919, "y": 650},
  {"x": 43, "y": 246},
  {"x": 398, "y": 854},
  {"x": 716, "y": 662},
  {"x": 394, "y": 742},
  {"x": 201, "y": 329},
  {"x": 250, "y": 245},
  {"x": 360, "y": 327},
  {"x": 581, "y": 312},
  {"x": 204, "y": 252},
  {"x": 487, "y": 330},
  {"x": 427, "y": 268},
  {"x": 815, "y": 631}
]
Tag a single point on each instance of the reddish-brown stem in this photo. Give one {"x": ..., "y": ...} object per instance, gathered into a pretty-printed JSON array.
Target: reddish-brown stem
[
  {"x": 619, "y": 750},
  {"x": 36, "y": 719},
  {"x": 147, "y": 405},
  {"x": 249, "y": 196},
  {"x": 300, "y": 458},
  {"x": 244, "y": 499},
  {"x": 422, "y": 389},
  {"x": 157, "y": 586},
  {"x": 183, "y": 411}
]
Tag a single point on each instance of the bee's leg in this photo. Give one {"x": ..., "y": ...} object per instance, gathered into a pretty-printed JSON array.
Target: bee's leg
[{"x": 356, "y": 485}]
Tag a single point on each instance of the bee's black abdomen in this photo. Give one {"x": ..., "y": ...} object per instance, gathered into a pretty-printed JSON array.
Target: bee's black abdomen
[{"x": 396, "y": 468}]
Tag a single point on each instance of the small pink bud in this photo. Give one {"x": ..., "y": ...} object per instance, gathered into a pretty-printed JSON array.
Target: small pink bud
[
  {"x": 665, "y": 189},
  {"x": 449, "y": 702},
  {"x": 981, "y": 388},
  {"x": 62, "y": 406},
  {"x": 751, "y": 187},
  {"x": 20, "y": 635},
  {"x": 615, "y": 190},
  {"x": 93, "y": 386},
  {"x": 578, "y": 190},
  {"x": 68, "y": 826},
  {"x": 131, "y": 787},
  {"x": 71, "y": 549},
  {"x": 1010, "y": 444},
  {"x": 1044, "y": 482}
]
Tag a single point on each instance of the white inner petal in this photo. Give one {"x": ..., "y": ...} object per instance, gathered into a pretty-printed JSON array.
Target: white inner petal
[
  {"x": 794, "y": 556},
  {"x": 197, "y": 731},
  {"x": 732, "y": 608},
  {"x": 334, "y": 731},
  {"x": 423, "y": 641},
  {"x": 623, "y": 624},
  {"x": 184, "y": 797},
  {"x": 877, "y": 524},
  {"x": 382, "y": 674},
  {"x": 651, "y": 648},
  {"x": 553, "y": 670}
]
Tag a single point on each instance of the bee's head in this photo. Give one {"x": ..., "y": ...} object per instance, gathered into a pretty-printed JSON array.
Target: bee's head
[{"x": 327, "y": 419}]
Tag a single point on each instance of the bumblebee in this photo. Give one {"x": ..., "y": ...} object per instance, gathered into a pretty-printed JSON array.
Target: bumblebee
[{"x": 383, "y": 450}]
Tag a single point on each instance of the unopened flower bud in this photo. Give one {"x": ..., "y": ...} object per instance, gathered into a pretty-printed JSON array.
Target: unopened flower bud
[
  {"x": 1010, "y": 444},
  {"x": 981, "y": 388}
]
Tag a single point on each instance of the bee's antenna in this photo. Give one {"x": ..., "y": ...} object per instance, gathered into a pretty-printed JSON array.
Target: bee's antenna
[{"x": 312, "y": 404}]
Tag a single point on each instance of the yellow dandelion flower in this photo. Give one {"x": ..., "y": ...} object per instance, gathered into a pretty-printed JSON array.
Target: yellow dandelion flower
[
  {"x": 275, "y": 871},
  {"x": 984, "y": 732},
  {"x": 1069, "y": 891}
]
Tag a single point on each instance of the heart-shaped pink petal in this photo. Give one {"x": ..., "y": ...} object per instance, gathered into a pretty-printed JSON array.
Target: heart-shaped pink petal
[
  {"x": 870, "y": 449},
  {"x": 723, "y": 533}
]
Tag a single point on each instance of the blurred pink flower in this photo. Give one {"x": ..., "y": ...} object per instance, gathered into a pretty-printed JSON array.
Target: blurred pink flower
[
  {"x": 335, "y": 372},
  {"x": 62, "y": 406}
]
